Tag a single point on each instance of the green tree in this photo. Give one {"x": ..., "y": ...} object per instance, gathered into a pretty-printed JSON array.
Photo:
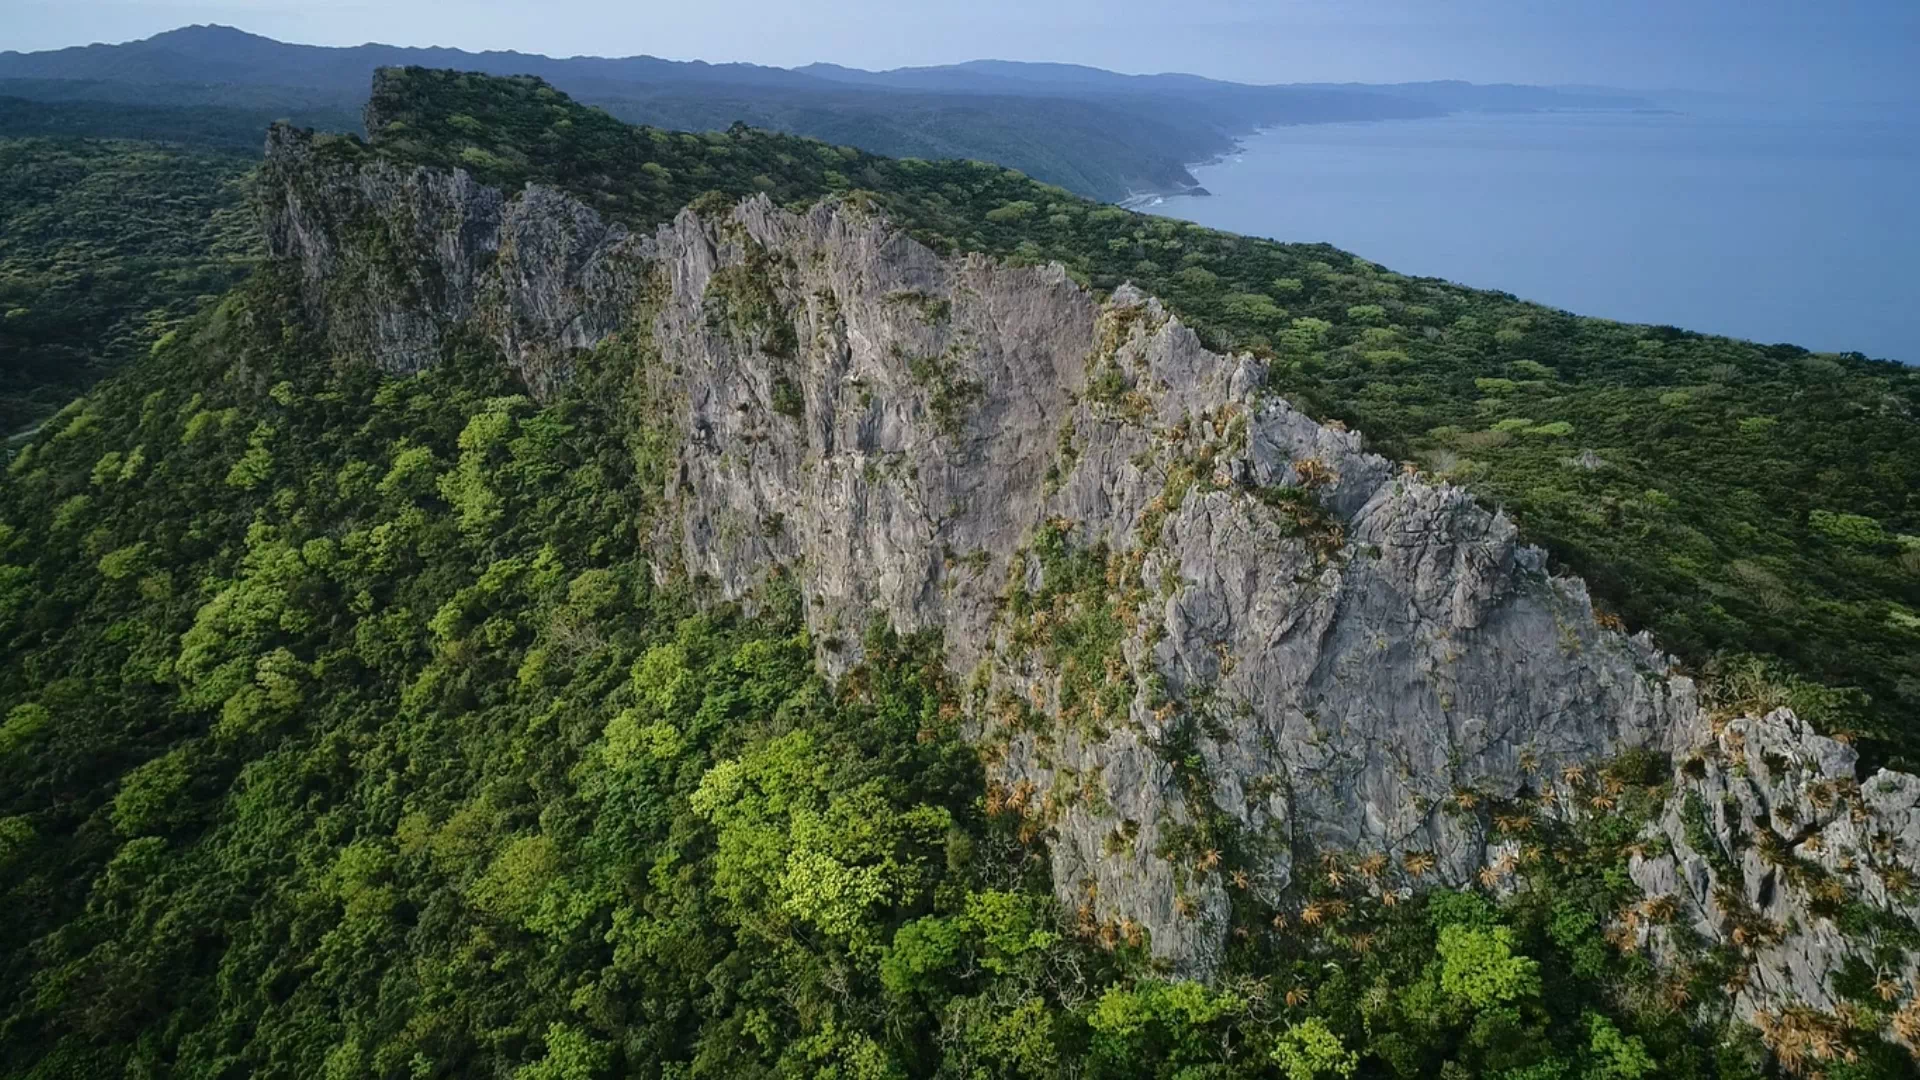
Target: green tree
[
  {"x": 1478, "y": 966},
  {"x": 1310, "y": 1049}
]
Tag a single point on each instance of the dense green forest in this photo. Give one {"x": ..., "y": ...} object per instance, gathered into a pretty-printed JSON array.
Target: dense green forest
[
  {"x": 220, "y": 129},
  {"x": 346, "y": 731},
  {"x": 104, "y": 247}
]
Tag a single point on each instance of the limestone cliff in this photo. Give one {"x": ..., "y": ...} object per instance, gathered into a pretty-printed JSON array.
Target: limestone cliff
[
  {"x": 1775, "y": 851},
  {"x": 1199, "y": 629}
]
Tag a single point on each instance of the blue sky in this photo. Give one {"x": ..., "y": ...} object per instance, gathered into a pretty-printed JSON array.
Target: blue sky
[{"x": 1829, "y": 48}]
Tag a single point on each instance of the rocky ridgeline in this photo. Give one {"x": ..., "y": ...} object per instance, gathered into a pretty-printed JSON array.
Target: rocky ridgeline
[{"x": 1204, "y": 636}]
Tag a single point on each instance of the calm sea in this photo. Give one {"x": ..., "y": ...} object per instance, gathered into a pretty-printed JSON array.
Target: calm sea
[{"x": 1775, "y": 226}]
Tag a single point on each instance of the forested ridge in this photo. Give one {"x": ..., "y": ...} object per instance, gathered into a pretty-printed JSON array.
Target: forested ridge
[
  {"x": 349, "y": 731},
  {"x": 104, "y": 247},
  {"x": 1102, "y": 134},
  {"x": 1099, "y": 133}
]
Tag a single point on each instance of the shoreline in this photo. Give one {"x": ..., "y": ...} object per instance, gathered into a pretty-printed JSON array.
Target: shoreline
[
  {"x": 1140, "y": 200},
  {"x": 1144, "y": 200}
]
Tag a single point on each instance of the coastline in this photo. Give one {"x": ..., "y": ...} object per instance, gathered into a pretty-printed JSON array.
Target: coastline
[
  {"x": 1616, "y": 213},
  {"x": 1141, "y": 200},
  {"x": 1144, "y": 200}
]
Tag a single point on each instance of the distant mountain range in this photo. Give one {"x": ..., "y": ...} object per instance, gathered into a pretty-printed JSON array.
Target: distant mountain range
[{"x": 1095, "y": 132}]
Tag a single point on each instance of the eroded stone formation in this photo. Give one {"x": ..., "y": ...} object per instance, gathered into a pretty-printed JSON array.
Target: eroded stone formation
[{"x": 1190, "y": 618}]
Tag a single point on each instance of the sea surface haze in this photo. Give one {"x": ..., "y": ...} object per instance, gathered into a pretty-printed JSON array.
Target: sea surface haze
[{"x": 1774, "y": 224}]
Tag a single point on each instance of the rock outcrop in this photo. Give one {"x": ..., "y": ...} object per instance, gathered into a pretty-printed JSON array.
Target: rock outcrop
[
  {"x": 394, "y": 260},
  {"x": 1772, "y": 848},
  {"x": 1343, "y": 644},
  {"x": 1191, "y": 618}
]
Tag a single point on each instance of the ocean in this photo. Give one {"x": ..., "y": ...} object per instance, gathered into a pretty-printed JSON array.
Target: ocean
[{"x": 1774, "y": 225}]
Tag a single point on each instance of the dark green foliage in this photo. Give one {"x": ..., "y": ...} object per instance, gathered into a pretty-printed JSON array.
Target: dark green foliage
[
  {"x": 741, "y": 303},
  {"x": 1101, "y": 149},
  {"x": 1699, "y": 831},
  {"x": 513, "y": 131},
  {"x": 204, "y": 128},
  {"x": 395, "y": 739},
  {"x": 949, "y": 394},
  {"x": 788, "y": 400},
  {"x": 104, "y": 247}
]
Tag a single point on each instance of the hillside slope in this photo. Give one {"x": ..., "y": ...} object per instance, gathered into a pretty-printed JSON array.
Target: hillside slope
[
  {"x": 104, "y": 248},
  {"x": 1101, "y": 140},
  {"x": 1098, "y": 133}
]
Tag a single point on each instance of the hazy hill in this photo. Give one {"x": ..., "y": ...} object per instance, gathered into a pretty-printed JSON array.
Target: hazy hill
[
  {"x": 1004, "y": 76},
  {"x": 1094, "y": 132},
  {"x": 224, "y": 55}
]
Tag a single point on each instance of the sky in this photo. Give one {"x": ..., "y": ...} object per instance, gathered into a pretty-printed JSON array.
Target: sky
[{"x": 1838, "y": 49}]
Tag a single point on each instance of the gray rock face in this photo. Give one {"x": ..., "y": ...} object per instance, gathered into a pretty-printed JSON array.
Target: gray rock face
[
  {"x": 392, "y": 261},
  {"x": 1773, "y": 848},
  {"x": 1205, "y": 636},
  {"x": 1342, "y": 645}
]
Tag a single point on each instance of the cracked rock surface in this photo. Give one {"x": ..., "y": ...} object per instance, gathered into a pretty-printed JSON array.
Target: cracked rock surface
[{"x": 1775, "y": 850}]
